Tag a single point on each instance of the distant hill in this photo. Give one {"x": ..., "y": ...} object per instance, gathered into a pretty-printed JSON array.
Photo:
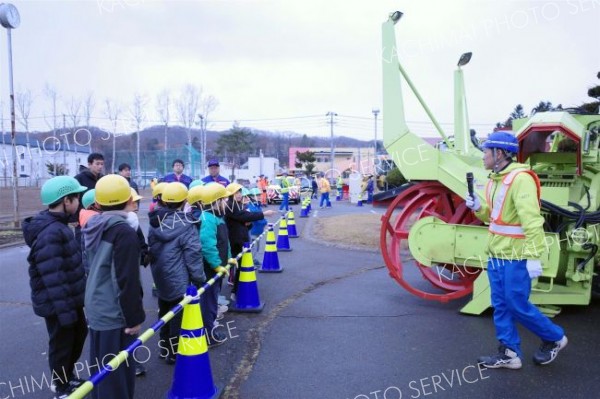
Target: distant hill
[{"x": 272, "y": 144}]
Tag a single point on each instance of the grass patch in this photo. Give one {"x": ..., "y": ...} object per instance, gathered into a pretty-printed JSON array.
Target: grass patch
[{"x": 356, "y": 230}]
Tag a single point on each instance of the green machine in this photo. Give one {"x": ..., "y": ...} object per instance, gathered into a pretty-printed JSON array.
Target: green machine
[{"x": 433, "y": 245}]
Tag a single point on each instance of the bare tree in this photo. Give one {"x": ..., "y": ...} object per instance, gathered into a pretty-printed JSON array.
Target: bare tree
[
  {"x": 73, "y": 107},
  {"x": 163, "y": 105},
  {"x": 207, "y": 105},
  {"x": 138, "y": 113},
  {"x": 187, "y": 108},
  {"x": 52, "y": 96},
  {"x": 112, "y": 110},
  {"x": 23, "y": 103},
  {"x": 89, "y": 103}
]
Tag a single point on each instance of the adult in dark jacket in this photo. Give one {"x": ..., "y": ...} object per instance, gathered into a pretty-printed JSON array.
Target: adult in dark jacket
[
  {"x": 88, "y": 177},
  {"x": 315, "y": 187},
  {"x": 177, "y": 176},
  {"x": 214, "y": 168},
  {"x": 176, "y": 257},
  {"x": 57, "y": 278},
  {"x": 125, "y": 171}
]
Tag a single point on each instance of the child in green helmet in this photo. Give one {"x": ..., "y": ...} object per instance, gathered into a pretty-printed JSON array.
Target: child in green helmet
[{"x": 57, "y": 279}]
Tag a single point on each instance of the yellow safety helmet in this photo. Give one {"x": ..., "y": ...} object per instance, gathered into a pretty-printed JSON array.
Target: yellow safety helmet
[
  {"x": 174, "y": 192},
  {"x": 213, "y": 192},
  {"x": 233, "y": 188},
  {"x": 158, "y": 189},
  {"x": 112, "y": 190},
  {"x": 196, "y": 194},
  {"x": 135, "y": 196}
]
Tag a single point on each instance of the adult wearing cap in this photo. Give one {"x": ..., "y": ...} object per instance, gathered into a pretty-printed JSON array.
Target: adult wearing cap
[
  {"x": 516, "y": 240},
  {"x": 177, "y": 175},
  {"x": 213, "y": 174}
]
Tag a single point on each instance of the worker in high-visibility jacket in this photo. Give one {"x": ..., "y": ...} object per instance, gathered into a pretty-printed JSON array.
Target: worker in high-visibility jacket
[
  {"x": 262, "y": 186},
  {"x": 285, "y": 193},
  {"x": 515, "y": 245}
]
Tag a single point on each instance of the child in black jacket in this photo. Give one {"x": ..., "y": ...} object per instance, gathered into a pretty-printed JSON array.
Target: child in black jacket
[{"x": 57, "y": 279}]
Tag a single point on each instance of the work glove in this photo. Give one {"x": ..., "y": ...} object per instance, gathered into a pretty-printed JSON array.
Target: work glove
[
  {"x": 534, "y": 268},
  {"x": 221, "y": 269},
  {"x": 472, "y": 203}
]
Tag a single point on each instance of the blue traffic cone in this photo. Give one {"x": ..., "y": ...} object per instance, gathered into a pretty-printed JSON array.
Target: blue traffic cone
[
  {"x": 270, "y": 263},
  {"x": 192, "y": 378},
  {"x": 303, "y": 210},
  {"x": 247, "y": 299},
  {"x": 283, "y": 240},
  {"x": 291, "y": 222}
]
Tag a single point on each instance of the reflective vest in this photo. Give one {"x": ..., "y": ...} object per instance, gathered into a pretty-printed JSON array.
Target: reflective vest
[
  {"x": 285, "y": 185},
  {"x": 497, "y": 225}
]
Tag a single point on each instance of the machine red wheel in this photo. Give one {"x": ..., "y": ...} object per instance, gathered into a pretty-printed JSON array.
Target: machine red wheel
[{"x": 416, "y": 202}]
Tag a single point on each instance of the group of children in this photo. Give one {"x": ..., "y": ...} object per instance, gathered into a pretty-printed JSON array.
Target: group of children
[{"x": 93, "y": 286}]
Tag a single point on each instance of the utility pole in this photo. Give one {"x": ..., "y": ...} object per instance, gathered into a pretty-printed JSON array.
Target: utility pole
[
  {"x": 375, "y": 113},
  {"x": 331, "y": 114}
]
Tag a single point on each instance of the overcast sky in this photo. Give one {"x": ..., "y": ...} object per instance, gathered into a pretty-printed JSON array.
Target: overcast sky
[{"x": 283, "y": 59}]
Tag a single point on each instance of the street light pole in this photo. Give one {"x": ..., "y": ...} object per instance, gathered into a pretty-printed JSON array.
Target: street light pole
[
  {"x": 10, "y": 19},
  {"x": 375, "y": 113},
  {"x": 331, "y": 114}
]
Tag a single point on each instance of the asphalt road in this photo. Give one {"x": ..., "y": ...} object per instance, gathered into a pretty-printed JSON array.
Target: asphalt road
[{"x": 334, "y": 326}]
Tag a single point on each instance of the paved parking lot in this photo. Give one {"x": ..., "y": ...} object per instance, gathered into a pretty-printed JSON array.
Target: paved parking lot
[{"x": 334, "y": 326}]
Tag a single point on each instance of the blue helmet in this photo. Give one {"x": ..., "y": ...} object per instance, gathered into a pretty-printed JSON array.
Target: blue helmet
[{"x": 504, "y": 140}]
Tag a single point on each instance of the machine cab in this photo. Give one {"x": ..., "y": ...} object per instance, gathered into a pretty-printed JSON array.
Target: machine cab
[{"x": 551, "y": 143}]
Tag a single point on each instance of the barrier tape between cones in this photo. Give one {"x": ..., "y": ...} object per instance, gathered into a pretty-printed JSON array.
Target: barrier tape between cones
[{"x": 122, "y": 357}]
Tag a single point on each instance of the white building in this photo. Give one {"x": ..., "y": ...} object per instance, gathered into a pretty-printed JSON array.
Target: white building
[
  {"x": 33, "y": 159},
  {"x": 252, "y": 169}
]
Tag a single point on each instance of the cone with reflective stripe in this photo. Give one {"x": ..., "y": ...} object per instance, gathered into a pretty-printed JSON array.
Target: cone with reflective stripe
[
  {"x": 270, "y": 263},
  {"x": 304, "y": 210},
  {"x": 247, "y": 299},
  {"x": 291, "y": 222},
  {"x": 283, "y": 240},
  {"x": 192, "y": 378}
]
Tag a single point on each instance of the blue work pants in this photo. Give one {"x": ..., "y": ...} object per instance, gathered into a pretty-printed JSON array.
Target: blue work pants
[{"x": 510, "y": 285}]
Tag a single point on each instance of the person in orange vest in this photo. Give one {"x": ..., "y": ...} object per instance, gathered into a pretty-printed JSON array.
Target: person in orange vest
[
  {"x": 324, "y": 188},
  {"x": 515, "y": 245},
  {"x": 262, "y": 186}
]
